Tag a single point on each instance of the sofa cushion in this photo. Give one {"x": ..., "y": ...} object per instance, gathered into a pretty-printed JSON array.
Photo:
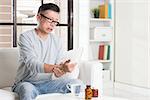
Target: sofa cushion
[
  {"x": 8, "y": 66},
  {"x": 8, "y": 95}
]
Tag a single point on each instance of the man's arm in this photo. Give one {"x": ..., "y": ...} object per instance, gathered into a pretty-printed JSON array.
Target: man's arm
[
  {"x": 53, "y": 69},
  {"x": 67, "y": 66},
  {"x": 48, "y": 68},
  {"x": 28, "y": 56}
]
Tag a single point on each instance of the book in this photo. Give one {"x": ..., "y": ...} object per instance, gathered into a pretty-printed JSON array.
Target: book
[
  {"x": 109, "y": 11},
  {"x": 105, "y": 52},
  {"x": 108, "y": 55},
  {"x": 101, "y": 52},
  {"x": 103, "y": 13}
]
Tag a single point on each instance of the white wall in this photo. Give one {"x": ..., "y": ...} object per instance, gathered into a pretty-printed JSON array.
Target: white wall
[
  {"x": 131, "y": 42},
  {"x": 149, "y": 43},
  {"x": 81, "y": 26}
]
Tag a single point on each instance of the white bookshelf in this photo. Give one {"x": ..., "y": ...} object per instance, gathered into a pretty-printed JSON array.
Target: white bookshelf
[{"x": 101, "y": 38}]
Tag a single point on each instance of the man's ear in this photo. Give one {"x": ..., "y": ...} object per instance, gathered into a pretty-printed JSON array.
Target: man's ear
[{"x": 38, "y": 17}]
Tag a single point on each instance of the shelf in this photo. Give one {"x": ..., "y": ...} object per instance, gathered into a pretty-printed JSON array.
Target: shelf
[
  {"x": 99, "y": 19},
  {"x": 93, "y": 41},
  {"x": 102, "y": 61},
  {"x": 104, "y": 27}
]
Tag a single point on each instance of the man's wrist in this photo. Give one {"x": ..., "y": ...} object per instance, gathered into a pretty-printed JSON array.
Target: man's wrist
[
  {"x": 53, "y": 69},
  {"x": 54, "y": 66},
  {"x": 61, "y": 67}
]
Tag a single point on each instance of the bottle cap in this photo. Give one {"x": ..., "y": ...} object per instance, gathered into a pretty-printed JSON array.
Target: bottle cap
[{"x": 88, "y": 85}]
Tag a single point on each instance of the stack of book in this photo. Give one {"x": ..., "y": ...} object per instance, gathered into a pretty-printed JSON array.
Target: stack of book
[
  {"x": 104, "y": 52},
  {"x": 105, "y": 10}
]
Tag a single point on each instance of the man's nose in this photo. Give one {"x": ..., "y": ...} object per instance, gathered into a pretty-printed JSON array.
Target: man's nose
[{"x": 52, "y": 24}]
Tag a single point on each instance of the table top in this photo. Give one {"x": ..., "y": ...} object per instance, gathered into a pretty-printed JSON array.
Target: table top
[{"x": 58, "y": 96}]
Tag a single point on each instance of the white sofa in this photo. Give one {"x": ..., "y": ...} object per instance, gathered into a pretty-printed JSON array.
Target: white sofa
[{"x": 90, "y": 73}]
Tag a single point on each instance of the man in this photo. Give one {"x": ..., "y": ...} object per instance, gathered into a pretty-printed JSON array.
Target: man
[{"x": 41, "y": 53}]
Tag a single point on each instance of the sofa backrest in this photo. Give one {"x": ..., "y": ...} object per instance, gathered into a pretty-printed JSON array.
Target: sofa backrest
[{"x": 8, "y": 66}]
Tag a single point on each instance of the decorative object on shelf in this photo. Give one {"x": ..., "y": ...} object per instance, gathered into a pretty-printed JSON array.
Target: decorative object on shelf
[
  {"x": 103, "y": 33},
  {"x": 95, "y": 12}
]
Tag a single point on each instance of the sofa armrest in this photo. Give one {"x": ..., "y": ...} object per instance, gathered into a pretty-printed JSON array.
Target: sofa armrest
[
  {"x": 8, "y": 66},
  {"x": 91, "y": 73}
]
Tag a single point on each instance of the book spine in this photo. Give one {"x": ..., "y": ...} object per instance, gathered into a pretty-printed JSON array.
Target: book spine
[
  {"x": 101, "y": 52},
  {"x": 105, "y": 52},
  {"x": 106, "y": 10},
  {"x": 108, "y": 55},
  {"x": 103, "y": 11},
  {"x": 109, "y": 11}
]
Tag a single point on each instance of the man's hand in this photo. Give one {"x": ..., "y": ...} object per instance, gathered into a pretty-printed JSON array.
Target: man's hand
[
  {"x": 58, "y": 72},
  {"x": 67, "y": 66}
]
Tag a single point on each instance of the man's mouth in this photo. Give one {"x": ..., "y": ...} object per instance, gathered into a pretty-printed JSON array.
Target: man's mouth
[{"x": 50, "y": 29}]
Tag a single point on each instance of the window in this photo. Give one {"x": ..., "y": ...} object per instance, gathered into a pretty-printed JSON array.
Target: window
[{"x": 17, "y": 16}]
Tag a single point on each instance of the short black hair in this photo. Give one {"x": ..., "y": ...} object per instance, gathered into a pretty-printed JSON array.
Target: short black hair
[{"x": 49, "y": 6}]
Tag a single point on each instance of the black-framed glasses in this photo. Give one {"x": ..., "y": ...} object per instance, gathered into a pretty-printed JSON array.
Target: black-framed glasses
[{"x": 50, "y": 20}]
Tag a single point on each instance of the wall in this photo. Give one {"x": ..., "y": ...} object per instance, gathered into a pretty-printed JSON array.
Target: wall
[
  {"x": 131, "y": 42},
  {"x": 84, "y": 27}
]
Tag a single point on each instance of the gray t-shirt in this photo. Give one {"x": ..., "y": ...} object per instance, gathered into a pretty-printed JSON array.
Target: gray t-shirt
[{"x": 34, "y": 52}]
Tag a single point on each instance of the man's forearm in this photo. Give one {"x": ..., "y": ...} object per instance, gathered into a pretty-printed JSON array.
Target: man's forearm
[
  {"x": 49, "y": 68},
  {"x": 53, "y": 69}
]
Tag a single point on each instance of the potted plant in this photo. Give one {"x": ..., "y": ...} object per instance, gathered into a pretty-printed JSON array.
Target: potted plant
[{"x": 95, "y": 12}]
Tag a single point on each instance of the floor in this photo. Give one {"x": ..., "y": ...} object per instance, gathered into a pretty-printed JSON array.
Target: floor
[{"x": 114, "y": 92}]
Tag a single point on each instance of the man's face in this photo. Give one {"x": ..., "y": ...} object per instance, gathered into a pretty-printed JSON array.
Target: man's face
[{"x": 48, "y": 20}]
